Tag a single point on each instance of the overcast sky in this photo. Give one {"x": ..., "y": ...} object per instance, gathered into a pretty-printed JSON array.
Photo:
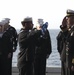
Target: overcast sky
[{"x": 51, "y": 11}]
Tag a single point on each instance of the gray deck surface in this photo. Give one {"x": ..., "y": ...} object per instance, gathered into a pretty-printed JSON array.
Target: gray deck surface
[{"x": 49, "y": 71}]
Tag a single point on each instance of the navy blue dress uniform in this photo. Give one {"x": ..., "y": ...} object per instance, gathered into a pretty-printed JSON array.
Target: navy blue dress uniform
[
  {"x": 60, "y": 38},
  {"x": 7, "y": 48},
  {"x": 70, "y": 43},
  {"x": 11, "y": 31},
  {"x": 7, "y": 45},
  {"x": 27, "y": 40},
  {"x": 61, "y": 41},
  {"x": 42, "y": 51}
]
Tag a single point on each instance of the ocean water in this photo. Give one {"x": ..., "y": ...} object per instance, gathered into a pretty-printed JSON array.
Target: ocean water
[{"x": 54, "y": 58}]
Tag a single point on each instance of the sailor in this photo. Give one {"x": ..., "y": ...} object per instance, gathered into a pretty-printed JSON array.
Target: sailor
[
  {"x": 70, "y": 43},
  {"x": 43, "y": 48},
  {"x": 10, "y": 38},
  {"x": 61, "y": 39}
]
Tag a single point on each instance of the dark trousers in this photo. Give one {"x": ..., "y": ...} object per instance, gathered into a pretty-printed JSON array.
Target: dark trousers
[
  {"x": 5, "y": 70},
  {"x": 1, "y": 66},
  {"x": 70, "y": 72},
  {"x": 63, "y": 68},
  {"x": 27, "y": 69},
  {"x": 40, "y": 65},
  {"x": 10, "y": 65},
  {"x": 7, "y": 65}
]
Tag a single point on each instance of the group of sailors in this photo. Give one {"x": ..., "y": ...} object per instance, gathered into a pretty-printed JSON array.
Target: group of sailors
[{"x": 35, "y": 46}]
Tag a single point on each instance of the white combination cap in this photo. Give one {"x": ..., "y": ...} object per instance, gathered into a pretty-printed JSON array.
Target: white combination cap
[
  {"x": 27, "y": 19},
  {"x": 70, "y": 12},
  {"x": 40, "y": 21},
  {"x": 7, "y": 20},
  {"x": 2, "y": 22}
]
